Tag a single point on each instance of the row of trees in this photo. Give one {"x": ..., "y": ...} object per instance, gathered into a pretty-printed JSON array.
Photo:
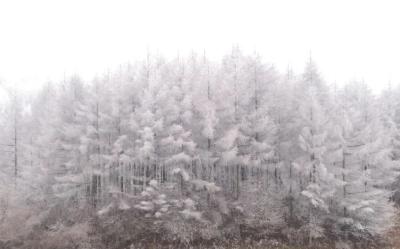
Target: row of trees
[{"x": 328, "y": 154}]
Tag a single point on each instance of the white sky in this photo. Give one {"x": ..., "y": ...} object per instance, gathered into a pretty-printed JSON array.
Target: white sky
[{"x": 42, "y": 39}]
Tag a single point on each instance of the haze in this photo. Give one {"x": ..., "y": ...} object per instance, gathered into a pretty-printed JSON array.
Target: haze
[{"x": 41, "y": 40}]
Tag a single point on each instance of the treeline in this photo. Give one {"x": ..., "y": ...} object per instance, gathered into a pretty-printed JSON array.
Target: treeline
[{"x": 207, "y": 150}]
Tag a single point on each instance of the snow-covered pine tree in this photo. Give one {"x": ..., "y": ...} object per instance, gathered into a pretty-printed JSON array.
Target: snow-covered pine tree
[
  {"x": 315, "y": 175},
  {"x": 176, "y": 147},
  {"x": 204, "y": 116},
  {"x": 230, "y": 111},
  {"x": 128, "y": 100},
  {"x": 390, "y": 113},
  {"x": 44, "y": 151},
  {"x": 258, "y": 129},
  {"x": 11, "y": 149},
  {"x": 369, "y": 166},
  {"x": 288, "y": 122},
  {"x": 147, "y": 121},
  {"x": 69, "y": 175}
]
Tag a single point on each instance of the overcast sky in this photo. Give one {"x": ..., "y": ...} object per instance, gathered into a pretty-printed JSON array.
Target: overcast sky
[{"x": 348, "y": 39}]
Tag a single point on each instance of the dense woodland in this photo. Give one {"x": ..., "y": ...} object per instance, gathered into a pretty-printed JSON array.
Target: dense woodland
[{"x": 193, "y": 151}]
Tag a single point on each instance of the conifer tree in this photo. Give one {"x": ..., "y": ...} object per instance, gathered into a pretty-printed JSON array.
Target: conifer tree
[{"x": 319, "y": 181}]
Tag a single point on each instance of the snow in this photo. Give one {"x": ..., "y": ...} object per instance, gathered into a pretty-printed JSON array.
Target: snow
[
  {"x": 165, "y": 137},
  {"x": 105, "y": 209},
  {"x": 191, "y": 214},
  {"x": 123, "y": 205}
]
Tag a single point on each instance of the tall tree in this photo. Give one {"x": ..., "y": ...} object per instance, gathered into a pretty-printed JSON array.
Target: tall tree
[{"x": 316, "y": 176}]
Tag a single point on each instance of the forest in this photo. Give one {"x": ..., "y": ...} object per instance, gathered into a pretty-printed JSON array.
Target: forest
[{"x": 193, "y": 153}]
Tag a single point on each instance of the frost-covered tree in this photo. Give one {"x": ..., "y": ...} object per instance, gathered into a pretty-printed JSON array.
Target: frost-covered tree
[
  {"x": 147, "y": 121},
  {"x": 258, "y": 129},
  {"x": 71, "y": 126},
  {"x": 205, "y": 117},
  {"x": 288, "y": 122},
  {"x": 199, "y": 149},
  {"x": 177, "y": 147},
  {"x": 232, "y": 82},
  {"x": 11, "y": 149},
  {"x": 317, "y": 179},
  {"x": 367, "y": 164}
]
